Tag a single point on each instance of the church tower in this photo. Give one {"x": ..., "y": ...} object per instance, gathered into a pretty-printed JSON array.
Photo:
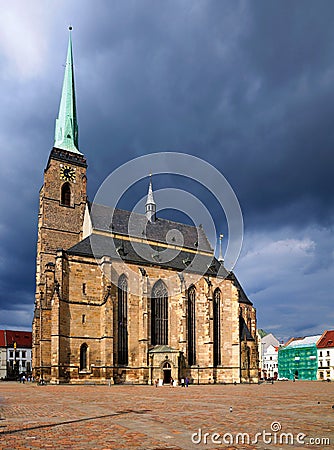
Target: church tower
[{"x": 62, "y": 205}]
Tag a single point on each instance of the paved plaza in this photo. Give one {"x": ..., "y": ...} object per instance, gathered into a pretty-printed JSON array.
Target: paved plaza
[{"x": 269, "y": 416}]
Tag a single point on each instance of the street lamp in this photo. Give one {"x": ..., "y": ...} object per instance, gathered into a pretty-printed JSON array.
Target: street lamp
[
  {"x": 42, "y": 380},
  {"x": 151, "y": 368}
]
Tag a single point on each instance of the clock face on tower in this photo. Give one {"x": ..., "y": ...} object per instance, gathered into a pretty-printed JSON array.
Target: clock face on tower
[{"x": 67, "y": 173}]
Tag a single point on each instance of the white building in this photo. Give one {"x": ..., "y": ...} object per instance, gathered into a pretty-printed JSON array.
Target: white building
[
  {"x": 268, "y": 356},
  {"x": 15, "y": 353},
  {"x": 325, "y": 347},
  {"x": 270, "y": 362},
  {"x": 3, "y": 355}
]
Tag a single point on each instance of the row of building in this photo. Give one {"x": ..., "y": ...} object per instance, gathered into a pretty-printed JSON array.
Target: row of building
[
  {"x": 303, "y": 358},
  {"x": 15, "y": 353}
]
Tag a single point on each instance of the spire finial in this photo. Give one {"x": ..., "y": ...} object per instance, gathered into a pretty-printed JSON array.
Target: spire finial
[
  {"x": 150, "y": 206},
  {"x": 221, "y": 259},
  {"x": 66, "y": 133}
]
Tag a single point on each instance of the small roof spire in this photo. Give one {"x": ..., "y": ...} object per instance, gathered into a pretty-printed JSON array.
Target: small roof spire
[
  {"x": 66, "y": 133},
  {"x": 150, "y": 206},
  {"x": 220, "y": 258}
]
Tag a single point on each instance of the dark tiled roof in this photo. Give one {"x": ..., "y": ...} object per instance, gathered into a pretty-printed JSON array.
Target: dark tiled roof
[
  {"x": 105, "y": 218},
  {"x": 242, "y": 295},
  {"x": 97, "y": 245},
  {"x": 140, "y": 253},
  {"x": 244, "y": 331}
]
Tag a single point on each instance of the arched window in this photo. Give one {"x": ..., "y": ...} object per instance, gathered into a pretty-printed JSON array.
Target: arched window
[
  {"x": 191, "y": 326},
  {"x": 159, "y": 314},
  {"x": 122, "y": 343},
  {"x": 66, "y": 194},
  {"x": 216, "y": 328},
  {"x": 83, "y": 357}
]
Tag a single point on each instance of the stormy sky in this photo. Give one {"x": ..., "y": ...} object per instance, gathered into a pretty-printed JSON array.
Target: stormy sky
[{"x": 248, "y": 86}]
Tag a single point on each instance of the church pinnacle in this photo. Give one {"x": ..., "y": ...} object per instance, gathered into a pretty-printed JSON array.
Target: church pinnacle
[
  {"x": 150, "y": 206},
  {"x": 66, "y": 133}
]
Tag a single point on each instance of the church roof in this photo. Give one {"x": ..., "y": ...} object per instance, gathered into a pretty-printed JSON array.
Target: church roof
[
  {"x": 119, "y": 221},
  {"x": 97, "y": 245},
  {"x": 143, "y": 254}
]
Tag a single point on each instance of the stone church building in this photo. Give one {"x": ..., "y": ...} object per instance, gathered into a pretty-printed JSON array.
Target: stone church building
[{"x": 110, "y": 305}]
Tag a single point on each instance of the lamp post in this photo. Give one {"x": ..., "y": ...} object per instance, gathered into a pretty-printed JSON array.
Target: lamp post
[
  {"x": 151, "y": 369},
  {"x": 42, "y": 380}
]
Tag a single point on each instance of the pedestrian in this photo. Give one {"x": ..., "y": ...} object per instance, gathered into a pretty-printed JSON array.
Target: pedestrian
[
  {"x": 171, "y": 382},
  {"x": 187, "y": 381},
  {"x": 156, "y": 383},
  {"x": 182, "y": 382}
]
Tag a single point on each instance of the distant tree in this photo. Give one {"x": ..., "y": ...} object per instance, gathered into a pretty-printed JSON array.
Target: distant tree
[{"x": 262, "y": 333}]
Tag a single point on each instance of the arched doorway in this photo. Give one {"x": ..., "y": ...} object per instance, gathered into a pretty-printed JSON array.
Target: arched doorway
[{"x": 167, "y": 372}]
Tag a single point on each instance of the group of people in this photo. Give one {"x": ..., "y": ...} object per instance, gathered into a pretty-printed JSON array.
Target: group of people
[
  {"x": 184, "y": 382},
  {"x": 23, "y": 378}
]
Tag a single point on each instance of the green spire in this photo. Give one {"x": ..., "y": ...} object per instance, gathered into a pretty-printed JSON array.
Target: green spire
[{"x": 66, "y": 133}]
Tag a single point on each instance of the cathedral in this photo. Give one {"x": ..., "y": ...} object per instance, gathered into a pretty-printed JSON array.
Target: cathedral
[{"x": 110, "y": 307}]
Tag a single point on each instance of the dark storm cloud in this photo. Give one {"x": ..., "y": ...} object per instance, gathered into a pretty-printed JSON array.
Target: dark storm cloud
[{"x": 248, "y": 86}]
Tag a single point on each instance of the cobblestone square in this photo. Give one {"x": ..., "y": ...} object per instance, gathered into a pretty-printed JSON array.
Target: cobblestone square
[{"x": 146, "y": 417}]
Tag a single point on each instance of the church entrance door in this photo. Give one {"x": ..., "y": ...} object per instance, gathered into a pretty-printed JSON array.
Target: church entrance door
[
  {"x": 167, "y": 371},
  {"x": 167, "y": 376}
]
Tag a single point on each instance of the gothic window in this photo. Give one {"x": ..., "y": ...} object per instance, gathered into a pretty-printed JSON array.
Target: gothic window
[
  {"x": 191, "y": 322},
  {"x": 83, "y": 357},
  {"x": 66, "y": 194},
  {"x": 216, "y": 328},
  {"x": 122, "y": 343},
  {"x": 159, "y": 314}
]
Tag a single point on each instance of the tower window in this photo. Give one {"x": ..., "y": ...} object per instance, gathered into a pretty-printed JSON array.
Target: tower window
[
  {"x": 66, "y": 194},
  {"x": 84, "y": 288},
  {"x": 83, "y": 318}
]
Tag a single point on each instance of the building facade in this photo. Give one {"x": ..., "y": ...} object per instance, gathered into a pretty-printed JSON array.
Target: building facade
[
  {"x": 325, "y": 347},
  {"x": 3, "y": 355},
  {"x": 298, "y": 359},
  {"x": 268, "y": 356},
  {"x": 15, "y": 353},
  {"x": 270, "y": 363},
  {"x": 129, "y": 303}
]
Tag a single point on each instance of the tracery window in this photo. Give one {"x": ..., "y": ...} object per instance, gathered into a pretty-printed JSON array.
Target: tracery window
[
  {"x": 159, "y": 314},
  {"x": 122, "y": 343},
  {"x": 191, "y": 322},
  {"x": 216, "y": 328}
]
